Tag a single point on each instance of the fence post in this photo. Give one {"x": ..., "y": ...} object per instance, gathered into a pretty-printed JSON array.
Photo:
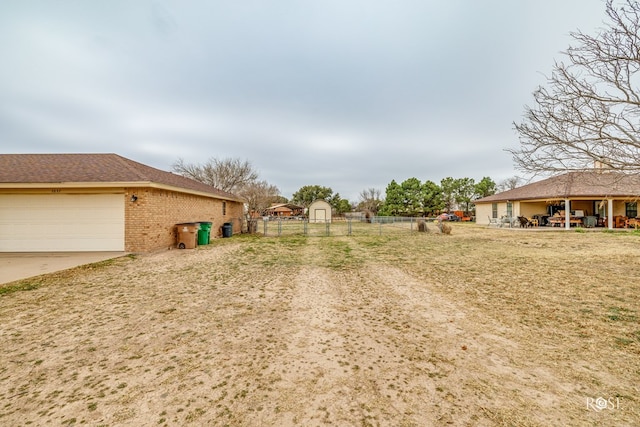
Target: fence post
[
  {"x": 327, "y": 225},
  {"x": 349, "y": 227},
  {"x": 279, "y": 227},
  {"x": 306, "y": 227}
]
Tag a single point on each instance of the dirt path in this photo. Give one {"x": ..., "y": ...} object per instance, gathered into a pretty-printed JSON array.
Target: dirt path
[{"x": 289, "y": 336}]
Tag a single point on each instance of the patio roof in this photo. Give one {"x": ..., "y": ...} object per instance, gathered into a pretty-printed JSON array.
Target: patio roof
[{"x": 592, "y": 185}]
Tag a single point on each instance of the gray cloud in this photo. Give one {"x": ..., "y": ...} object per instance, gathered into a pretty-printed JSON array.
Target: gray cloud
[{"x": 348, "y": 95}]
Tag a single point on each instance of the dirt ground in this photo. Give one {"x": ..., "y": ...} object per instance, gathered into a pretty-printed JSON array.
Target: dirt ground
[{"x": 480, "y": 328}]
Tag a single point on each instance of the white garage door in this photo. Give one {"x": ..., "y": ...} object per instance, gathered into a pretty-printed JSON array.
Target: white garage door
[{"x": 61, "y": 222}]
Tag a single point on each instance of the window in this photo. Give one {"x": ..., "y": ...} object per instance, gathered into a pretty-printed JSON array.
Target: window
[
  {"x": 224, "y": 208},
  {"x": 509, "y": 209},
  {"x": 631, "y": 209},
  {"x": 494, "y": 210}
]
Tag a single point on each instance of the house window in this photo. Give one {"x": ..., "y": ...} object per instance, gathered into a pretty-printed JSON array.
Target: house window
[
  {"x": 224, "y": 208},
  {"x": 509, "y": 209},
  {"x": 631, "y": 209},
  {"x": 494, "y": 210}
]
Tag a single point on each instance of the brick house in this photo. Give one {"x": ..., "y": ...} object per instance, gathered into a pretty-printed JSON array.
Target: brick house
[
  {"x": 285, "y": 210},
  {"x": 593, "y": 198},
  {"x": 101, "y": 202}
]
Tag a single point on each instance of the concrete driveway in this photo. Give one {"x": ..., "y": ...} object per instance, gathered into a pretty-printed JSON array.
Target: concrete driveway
[{"x": 22, "y": 265}]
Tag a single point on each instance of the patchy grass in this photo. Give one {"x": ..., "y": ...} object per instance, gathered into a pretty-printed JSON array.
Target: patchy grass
[
  {"x": 482, "y": 327},
  {"x": 22, "y": 285}
]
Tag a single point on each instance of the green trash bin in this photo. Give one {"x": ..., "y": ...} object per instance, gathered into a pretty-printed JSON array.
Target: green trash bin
[
  {"x": 227, "y": 229},
  {"x": 204, "y": 233}
]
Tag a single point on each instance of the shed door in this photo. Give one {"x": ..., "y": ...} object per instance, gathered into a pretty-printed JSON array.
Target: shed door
[
  {"x": 61, "y": 222},
  {"x": 321, "y": 215}
]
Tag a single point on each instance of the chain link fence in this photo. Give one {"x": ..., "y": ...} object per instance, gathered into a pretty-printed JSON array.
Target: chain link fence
[{"x": 282, "y": 226}]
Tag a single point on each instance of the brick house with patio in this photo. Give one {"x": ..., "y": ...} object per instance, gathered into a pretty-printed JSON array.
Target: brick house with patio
[{"x": 593, "y": 198}]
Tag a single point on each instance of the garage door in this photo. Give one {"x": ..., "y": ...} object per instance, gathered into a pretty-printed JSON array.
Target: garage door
[{"x": 61, "y": 222}]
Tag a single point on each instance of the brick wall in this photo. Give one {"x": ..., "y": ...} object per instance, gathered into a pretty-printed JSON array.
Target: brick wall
[{"x": 150, "y": 220}]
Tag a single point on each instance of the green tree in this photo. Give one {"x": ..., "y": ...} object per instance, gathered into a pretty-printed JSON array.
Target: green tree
[
  {"x": 413, "y": 197},
  {"x": 465, "y": 190},
  {"x": 343, "y": 206},
  {"x": 432, "y": 202},
  {"x": 486, "y": 187},
  {"x": 394, "y": 200},
  {"x": 448, "y": 186},
  {"x": 310, "y": 193}
]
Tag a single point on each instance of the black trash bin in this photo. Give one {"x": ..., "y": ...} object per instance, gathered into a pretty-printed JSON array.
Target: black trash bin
[{"x": 227, "y": 229}]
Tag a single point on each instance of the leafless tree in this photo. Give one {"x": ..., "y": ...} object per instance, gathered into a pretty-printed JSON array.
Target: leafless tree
[
  {"x": 259, "y": 195},
  {"x": 370, "y": 200},
  {"x": 510, "y": 183},
  {"x": 589, "y": 114},
  {"x": 229, "y": 175}
]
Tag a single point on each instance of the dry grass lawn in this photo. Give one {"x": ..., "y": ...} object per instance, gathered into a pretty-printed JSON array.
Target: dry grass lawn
[{"x": 483, "y": 327}]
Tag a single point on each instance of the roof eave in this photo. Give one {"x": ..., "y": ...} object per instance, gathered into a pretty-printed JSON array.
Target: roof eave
[
  {"x": 563, "y": 197},
  {"x": 119, "y": 184}
]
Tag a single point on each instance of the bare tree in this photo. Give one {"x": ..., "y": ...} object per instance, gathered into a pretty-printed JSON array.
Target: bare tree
[
  {"x": 510, "y": 183},
  {"x": 589, "y": 115},
  {"x": 230, "y": 175},
  {"x": 370, "y": 200},
  {"x": 259, "y": 195}
]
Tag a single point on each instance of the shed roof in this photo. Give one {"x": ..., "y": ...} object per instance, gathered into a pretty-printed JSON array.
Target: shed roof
[
  {"x": 574, "y": 184},
  {"x": 109, "y": 168}
]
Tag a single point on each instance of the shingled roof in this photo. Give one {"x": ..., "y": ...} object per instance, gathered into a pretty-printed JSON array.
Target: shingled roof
[
  {"x": 93, "y": 169},
  {"x": 574, "y": 184}
]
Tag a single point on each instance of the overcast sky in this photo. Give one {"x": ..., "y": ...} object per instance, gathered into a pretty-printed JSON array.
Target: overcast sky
[{"x": 348, "y": 94}]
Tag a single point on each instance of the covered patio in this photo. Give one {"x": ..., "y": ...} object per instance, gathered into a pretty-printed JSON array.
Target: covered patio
[{"x": 576, "y": 199}]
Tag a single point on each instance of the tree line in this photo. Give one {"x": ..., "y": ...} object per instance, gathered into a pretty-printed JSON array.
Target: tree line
[
  {"x": 409, "y": 198},
  {"x": 414, "y": 198}
]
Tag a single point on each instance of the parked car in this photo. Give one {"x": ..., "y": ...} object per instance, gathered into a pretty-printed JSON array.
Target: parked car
[{"x": 453, "y": 217}]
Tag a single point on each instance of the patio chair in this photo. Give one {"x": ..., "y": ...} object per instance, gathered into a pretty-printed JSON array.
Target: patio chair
[
  {"x": 494, "y": 222},
  {"x": 524, "y": 222},
  {"x": 632, "y": 222},
  {"x": 507, "y": 220}
]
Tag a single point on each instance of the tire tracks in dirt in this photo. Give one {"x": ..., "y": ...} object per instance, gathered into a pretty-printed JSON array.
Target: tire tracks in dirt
[
  {"x": 356, "y": 352},
  {"x": 312, "y": 334}
]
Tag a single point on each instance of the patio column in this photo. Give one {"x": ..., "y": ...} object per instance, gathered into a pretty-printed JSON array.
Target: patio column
[
  {"x": 567, "y": 214},
  {"x": 610, "y": 214}
]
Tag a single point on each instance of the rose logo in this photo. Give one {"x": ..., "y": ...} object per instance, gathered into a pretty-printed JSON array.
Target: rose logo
[{"x": 601, "y": 403}]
